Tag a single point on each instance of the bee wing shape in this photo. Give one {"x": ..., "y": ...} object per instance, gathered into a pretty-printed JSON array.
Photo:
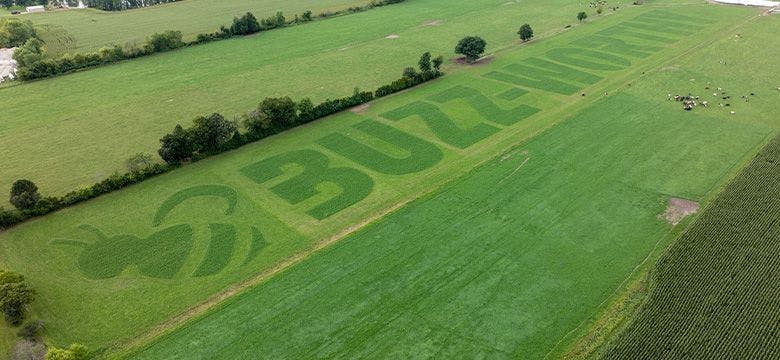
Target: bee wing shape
[
  {"x": 164, "y": 253},
  {"x": 196, "y": 191},
  {"x": 220, "y": 250}
]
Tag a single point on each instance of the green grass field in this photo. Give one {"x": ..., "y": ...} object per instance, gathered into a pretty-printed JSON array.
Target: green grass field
[
  {"x": 87, "y": 124},
  {"x": 572, "y": 210},
  {"x": 500, "y": 264},
  {"x": 92, "y": 29},
  {"x": 717, "y": 285}
]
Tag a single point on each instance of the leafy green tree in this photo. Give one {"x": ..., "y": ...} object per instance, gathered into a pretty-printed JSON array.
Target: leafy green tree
[
  {"x": 29, "y": 53},
  {"x": 305, "y": 109},
  {"x": 6, "y": 3},
  {"x": 472, "y": 47},
  {"x": 15, "y": 295},
  {"x": 526, "y": 32},
  {"x": 582, "y": 16},
  {"x": 24, "y": 194},
  {"x": 281, "y": 112},
  {"x": 425, "y": 62},
  {"x": 245, "y": 25},
  {"x": 437, "y": 62},
  {"x": 210, "y": 133},
  {"x": 176, "y": 146},
  {"x": 410, "y": 73},
  {"x": 15, "y": 32},
  {"x": 307, "y": 15}
]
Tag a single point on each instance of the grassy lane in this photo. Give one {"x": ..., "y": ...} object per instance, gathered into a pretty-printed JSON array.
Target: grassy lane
[
  {"x": 86, "y": 124},
  {"x": 91, "y": 29}
]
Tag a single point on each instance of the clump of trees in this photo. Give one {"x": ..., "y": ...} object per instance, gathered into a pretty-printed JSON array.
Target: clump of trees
[
  {"x": 526, "y": 32},
  {"x": 15, "y": 297},
  {"x": 114, "y": 5},
  {"x": 36, "y": 66},
  {"x": 472, "y": 47},
  {"x": 9, "y": 3},
  {"x": 24, "y": 194},
  {"x": 581, "y": 16},
  {"x": 15, "y": 32},
  {"x": 165, "y": 41}
]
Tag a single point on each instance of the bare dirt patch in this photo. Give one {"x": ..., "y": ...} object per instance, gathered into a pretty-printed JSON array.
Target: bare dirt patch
[
  {"x": 678, "y": 209},
  {"x": 392, "y": 36},
  {"x": 360, "y": 109},
  {"x": 432, "y": 23}
]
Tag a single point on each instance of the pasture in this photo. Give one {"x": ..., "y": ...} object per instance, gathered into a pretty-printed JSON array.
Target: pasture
[
  {"x": 92, "y": 29},
  {"x": 561, "y": 195},
  {"x": 87, "y": 124}
]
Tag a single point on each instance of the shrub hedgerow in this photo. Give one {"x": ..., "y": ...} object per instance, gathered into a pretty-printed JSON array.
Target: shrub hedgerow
[
  {"x": 170, "y": 40},
  {"x": 213, "y": 137}
]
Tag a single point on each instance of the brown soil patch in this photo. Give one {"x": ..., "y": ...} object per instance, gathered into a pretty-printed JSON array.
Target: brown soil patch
[
  {"x": 392, "y": 36},
  {"x": 485, "y": 60},
  {"x": 360, "y": 109},
  {"x": 678, "y": 209},
  {"x": 432, "y": 23}
]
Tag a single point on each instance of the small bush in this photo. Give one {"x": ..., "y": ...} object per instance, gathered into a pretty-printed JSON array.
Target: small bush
[
  {"x": 74, "y": 352},
  {"x": 164, "y": 41},
  {"x": 526, "y": 32}
]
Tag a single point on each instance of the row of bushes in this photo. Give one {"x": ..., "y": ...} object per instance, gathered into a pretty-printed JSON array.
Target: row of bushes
[
  {"x": 209, "y": 135},
  {"x": 35, "y": 66},
  {"x": 214, "y": 134},
  {"x": 44, "y": 205}
]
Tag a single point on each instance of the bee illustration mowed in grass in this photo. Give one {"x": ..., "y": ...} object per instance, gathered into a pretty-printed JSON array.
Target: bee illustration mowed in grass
[{"x": 163, "y": 254}]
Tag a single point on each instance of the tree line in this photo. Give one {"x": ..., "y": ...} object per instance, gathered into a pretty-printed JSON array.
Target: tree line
[{"x": 210, "y": 135}]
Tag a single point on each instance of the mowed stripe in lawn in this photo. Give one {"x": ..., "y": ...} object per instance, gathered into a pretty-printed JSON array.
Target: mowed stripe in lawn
[{"x": 500, "y": 264}]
